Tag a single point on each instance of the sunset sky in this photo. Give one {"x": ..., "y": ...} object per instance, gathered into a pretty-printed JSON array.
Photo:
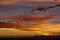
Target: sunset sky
[{"x": 30, "y": 17}]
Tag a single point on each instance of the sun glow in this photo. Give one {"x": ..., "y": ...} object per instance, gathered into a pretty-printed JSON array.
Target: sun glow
[{"x": 40, "y": 29}]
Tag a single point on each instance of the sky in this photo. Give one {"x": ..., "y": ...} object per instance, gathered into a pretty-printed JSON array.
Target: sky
[{"x": 31, "y": 17}]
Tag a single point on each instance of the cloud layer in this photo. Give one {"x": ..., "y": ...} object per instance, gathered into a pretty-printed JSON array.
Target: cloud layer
[{"x": 14, "y": 1}]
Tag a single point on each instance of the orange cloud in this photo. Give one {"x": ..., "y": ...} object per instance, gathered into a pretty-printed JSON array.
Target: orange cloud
[
  {"x": 8, "y": 1},
  {"x": 46, "y": 0},
  {"x": 40, "y": 29},
  {"x": 14, "y": 1}
]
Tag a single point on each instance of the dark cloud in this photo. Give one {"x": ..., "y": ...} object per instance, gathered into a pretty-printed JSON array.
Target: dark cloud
[
  {"x": 6, "y": 25},
  {"x": 45, "y": 9}
]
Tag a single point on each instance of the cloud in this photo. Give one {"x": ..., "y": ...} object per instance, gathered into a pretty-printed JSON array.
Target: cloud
[
  {"x": 36, "y": 30},
  {"x": 10, "y": 32},
  {"x": 45, "y": 9},
  {"x": 3, "y": 2},
  {"x": 40, "y": 0},
  {"x": 24, "y": 20}
]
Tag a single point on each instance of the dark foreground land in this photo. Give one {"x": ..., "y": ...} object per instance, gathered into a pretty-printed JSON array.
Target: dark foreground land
[{"x": 33, "y": 38}]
